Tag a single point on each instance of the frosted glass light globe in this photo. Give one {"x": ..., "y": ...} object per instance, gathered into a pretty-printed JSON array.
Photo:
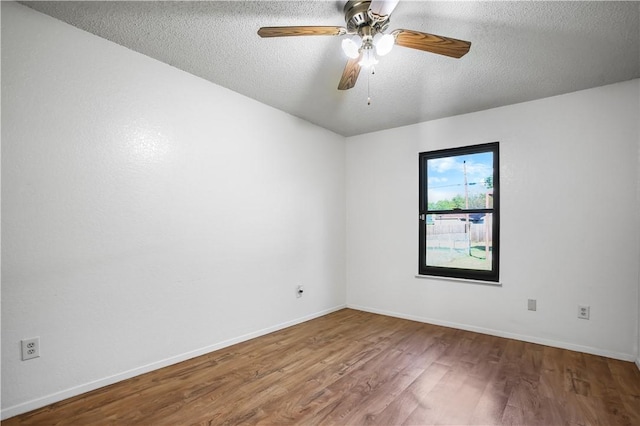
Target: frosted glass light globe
[
  {"x": 350, "y": 48},
  {"x": 368, "y": 59},
  {"x": 384, "y": 44}
]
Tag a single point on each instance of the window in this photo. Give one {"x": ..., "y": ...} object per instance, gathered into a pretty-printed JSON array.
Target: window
[{"x": 460, "y": 212}]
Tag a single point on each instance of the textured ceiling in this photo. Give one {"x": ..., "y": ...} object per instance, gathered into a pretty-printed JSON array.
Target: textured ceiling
[{"x": 520, "y": 51}]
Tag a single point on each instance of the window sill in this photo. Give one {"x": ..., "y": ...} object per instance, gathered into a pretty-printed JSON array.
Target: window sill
[{"x": 460, "y": 280}]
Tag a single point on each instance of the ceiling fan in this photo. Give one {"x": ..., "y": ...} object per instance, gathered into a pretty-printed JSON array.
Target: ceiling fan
[{"x": 367, "y": 22}]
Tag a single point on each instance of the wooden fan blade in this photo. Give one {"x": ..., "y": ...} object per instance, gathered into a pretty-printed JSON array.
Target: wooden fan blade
[
  {"x": 382, "y": 8},
  {"x": 350, "y": 74},
  {"x": 432, "y": 43},
  {"x": 300, "y": 31}
]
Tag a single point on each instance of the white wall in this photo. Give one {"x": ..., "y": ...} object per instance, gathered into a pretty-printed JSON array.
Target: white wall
[
  {"x": 148, "y": 215},
  {"x": 569, "y": 234},
  {"x": 638, "y": 197}
]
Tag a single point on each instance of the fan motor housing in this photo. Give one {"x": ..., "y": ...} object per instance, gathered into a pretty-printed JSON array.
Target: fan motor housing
[{"x": 356, "y": 16}]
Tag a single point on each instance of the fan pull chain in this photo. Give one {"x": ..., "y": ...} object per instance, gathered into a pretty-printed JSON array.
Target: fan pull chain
[{"x": 373, "y": 71}]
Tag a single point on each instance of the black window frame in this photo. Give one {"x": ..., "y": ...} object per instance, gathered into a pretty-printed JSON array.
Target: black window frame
[{"x": 439, "y": 271}]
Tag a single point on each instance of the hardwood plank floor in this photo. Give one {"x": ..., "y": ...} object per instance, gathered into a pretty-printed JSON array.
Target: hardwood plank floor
[{"x": 357, "y": 368}]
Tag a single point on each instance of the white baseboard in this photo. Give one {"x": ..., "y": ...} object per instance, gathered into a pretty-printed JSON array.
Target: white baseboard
[
  {"x": 499, "y": 333},
  {"x": 638, "y": 363},
  {"x": 87, "y": 387}
]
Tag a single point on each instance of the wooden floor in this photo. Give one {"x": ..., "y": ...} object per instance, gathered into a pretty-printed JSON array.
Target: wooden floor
[{"x": 356, "y": 368}]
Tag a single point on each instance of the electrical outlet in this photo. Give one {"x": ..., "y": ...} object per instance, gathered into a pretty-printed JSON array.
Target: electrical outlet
[
  {"x": 531, "y": 304},
  {"x": 30, "y": 348},
  {"x": 584, "y": 311},
  {"x": 299, "y": 291}
]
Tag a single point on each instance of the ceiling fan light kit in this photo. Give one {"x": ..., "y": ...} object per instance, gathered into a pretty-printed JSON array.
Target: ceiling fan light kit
[{"x": 366, "y": 23}]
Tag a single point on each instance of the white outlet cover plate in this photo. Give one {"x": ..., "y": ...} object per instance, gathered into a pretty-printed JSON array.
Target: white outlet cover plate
[
  {"x": 30, "y": 348},
  {"x": 584, "y": 312}
]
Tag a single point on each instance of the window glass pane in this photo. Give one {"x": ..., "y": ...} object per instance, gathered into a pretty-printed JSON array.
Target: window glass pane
[
  {"x": 459, "y": 241},
  {"x": 460, "y": 182}
]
